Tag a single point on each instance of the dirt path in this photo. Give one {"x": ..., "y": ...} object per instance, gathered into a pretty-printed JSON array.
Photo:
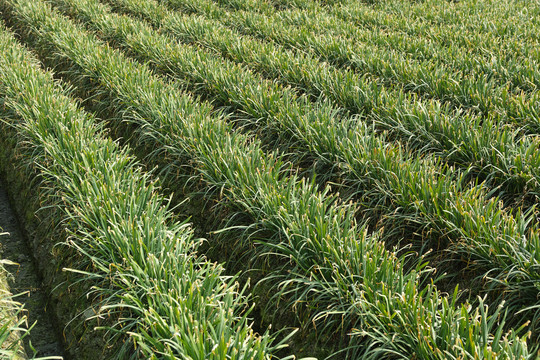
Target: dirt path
[{"x": 44, "y": 336}]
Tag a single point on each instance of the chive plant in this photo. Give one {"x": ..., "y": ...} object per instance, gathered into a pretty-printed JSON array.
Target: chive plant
[
  {"x": 425, "y": 197},
  {"x": 344, "y": 279},
  {"x": 170, "y": 302}
]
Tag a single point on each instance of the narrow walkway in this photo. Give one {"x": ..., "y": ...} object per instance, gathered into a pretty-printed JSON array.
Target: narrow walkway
[{"x": 43, "y": 337}]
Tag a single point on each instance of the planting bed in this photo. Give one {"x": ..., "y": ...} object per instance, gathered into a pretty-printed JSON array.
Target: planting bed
[{"x": 365, "y": 175}]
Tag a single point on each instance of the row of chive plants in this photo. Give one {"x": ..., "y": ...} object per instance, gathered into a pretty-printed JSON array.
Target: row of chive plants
[
  {"x": 481, "y": 90},
  {"x": 510, "y": 68},
  {"x": 342, "y": 276},
  {"x": 498, "y": 154},
  {"x": 449, "y": 217},
  {"x": 169, "y": 301}
]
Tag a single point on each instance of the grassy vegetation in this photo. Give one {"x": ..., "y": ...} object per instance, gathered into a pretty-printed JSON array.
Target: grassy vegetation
[
  {"x": 421, "y": 27},
  {"x": 462, "y": 83},
  {"x": 407, "y": 141},
  {"x": 348, "y": 281},
  {"x": 483, "y": 244},
  {"x": 481, "y": 29},
  {"x": 150, "y": 284},
  {"x": 490, "y": 149}
]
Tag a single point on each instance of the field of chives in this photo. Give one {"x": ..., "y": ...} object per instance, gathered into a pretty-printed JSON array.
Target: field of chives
[{"x": 277, "y": 179}]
